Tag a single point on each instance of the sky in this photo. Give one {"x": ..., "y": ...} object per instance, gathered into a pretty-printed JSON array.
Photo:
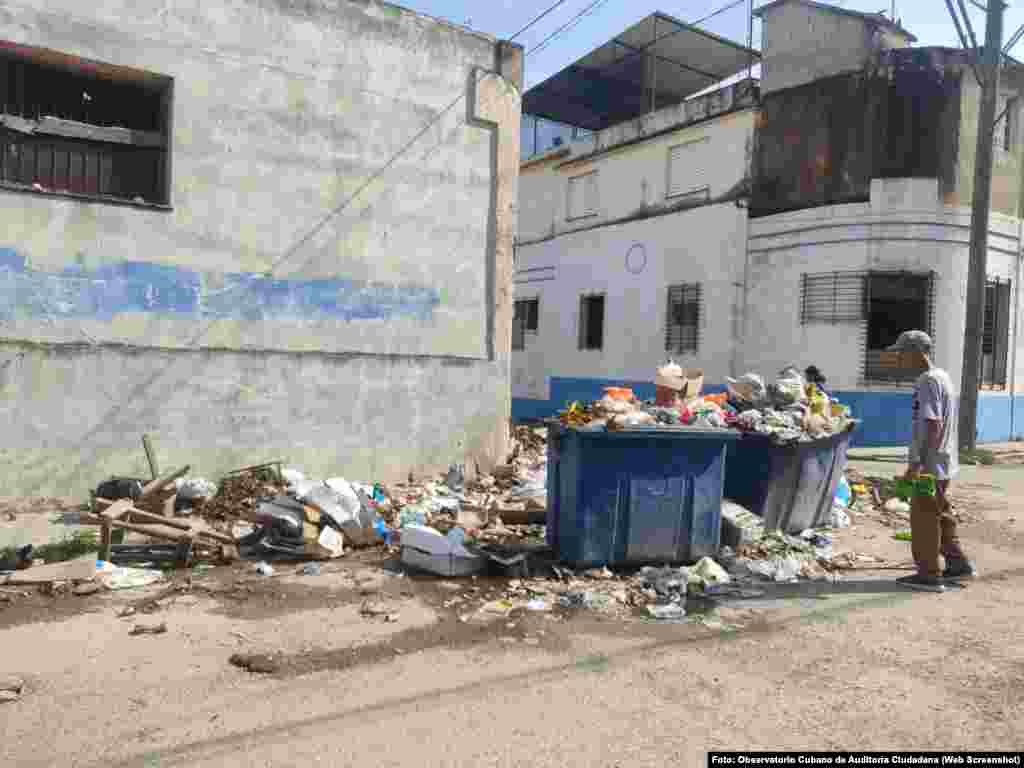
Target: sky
[{"x": 928, "y": 20}]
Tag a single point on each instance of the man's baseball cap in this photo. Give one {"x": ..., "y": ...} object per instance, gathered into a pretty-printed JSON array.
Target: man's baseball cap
[{"x": 913, "y": 341}]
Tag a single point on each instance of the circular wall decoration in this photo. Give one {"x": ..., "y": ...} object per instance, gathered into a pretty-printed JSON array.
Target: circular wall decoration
[{"x": 636, "y": 258}]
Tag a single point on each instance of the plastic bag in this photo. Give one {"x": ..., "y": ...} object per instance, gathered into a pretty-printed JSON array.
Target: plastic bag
[
  {"x": 748, "y": 390},
  {"x": 710, "y": 573},
  {"x": 777, "y": 569},
  {"x": 789, "y": 389},
  {"x": 839, "y": 517},
  {"x": 338, "y": 499},
  {"x": 195, "y": 488}
]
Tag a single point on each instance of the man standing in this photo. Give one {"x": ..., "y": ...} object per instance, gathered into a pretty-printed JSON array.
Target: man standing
[{"x": 934, "y": 451}]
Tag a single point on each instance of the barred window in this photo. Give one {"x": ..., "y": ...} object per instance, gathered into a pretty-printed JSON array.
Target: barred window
[
  {"x": 832, "y": 297},
  {"x": 883, "y": 303},
  {"x": 683, "y": 313},
  {"x": 996, "y": 334}
]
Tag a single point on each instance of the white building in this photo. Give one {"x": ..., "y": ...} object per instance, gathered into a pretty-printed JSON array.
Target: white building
[{"x": 809, "y": 220}]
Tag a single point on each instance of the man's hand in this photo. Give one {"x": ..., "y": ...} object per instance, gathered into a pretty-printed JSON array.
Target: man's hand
[{"x": 912, "y": 473}]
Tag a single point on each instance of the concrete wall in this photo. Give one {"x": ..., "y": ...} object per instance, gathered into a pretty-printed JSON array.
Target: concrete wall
[
  {"x": 390, "y": 350},
  {"x": 903, "y": 227},
  {"x": 633, "y": 264},
  {"x": 632, "y": 165},
  {"x": 1007, "y": 168},
  {"x": 801, "y": 43}
]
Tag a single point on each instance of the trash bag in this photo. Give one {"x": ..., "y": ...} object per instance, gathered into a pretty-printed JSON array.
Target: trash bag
[
  {"x": 281, "y": 517},
  {"x": 117, "y": 488},
  {"x": 748, "y": 391}
]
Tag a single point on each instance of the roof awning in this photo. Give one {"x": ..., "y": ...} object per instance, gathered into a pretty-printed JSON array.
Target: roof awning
[{"x": 657, "y": 62}]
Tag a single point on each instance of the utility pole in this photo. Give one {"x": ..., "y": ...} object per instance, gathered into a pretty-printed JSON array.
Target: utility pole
[{"x": 978, "y": 265}]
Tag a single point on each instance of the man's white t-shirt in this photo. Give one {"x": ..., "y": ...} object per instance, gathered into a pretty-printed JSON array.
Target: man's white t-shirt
[{"x": 934, "y": 401}]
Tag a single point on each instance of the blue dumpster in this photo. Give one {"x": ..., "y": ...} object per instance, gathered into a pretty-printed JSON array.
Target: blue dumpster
[
  {"x": 636, "y": 496},
  {"x": 789, "y": 486}
]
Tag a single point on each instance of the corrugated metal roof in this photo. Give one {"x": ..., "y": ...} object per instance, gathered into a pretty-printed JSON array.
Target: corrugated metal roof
[{"x": 614, "y": 82}]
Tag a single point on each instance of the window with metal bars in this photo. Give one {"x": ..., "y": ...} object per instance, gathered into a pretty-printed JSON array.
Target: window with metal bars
[
  {"x": 525, "y": 320},
  {"x": 832, "y": 297},
  {"x": 83, "y": 128},
  {"x": 683, "y": 313},
  {"x": 895, "y": 302},
  {"x": 591, "y": 322},
  {"x": 995, "y": 335},
  {"x": 883, "y": 303}
]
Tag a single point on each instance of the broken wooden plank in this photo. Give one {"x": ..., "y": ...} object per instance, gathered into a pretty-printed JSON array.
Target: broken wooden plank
[
  {"x": 147, "y": 446},
  {"x": 73, "y": 570},
  {"x": 160, "y": 483},
  {"x": 116, "y": 509},
  {"x": 157, "y": 532}
]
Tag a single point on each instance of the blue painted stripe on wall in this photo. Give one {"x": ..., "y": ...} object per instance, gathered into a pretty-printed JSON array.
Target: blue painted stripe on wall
[
  {"x": 135, "y": 286},
  {"x": 885, "y": 416}
]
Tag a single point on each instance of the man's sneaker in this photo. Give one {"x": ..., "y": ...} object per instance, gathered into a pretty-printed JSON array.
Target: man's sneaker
[
  {"x": 923, "y": 583},
  {"x": 959, "y": 569}
]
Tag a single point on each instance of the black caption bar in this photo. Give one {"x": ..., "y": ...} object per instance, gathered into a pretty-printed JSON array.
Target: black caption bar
[{"x": 900, "y": 759}]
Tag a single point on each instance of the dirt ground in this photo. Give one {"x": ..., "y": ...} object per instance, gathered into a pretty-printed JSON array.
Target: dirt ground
[{"x": 372, "y": 667}]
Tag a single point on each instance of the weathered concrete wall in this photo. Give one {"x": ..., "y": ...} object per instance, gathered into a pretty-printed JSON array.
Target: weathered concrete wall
[
  {"x": 1006, "y": 164},
  {"x": 801, "y": 43},
  {"x": 270, "y": 313},
  {"x": 904, "y": 227},
  {"x": 632, "y": 161}
]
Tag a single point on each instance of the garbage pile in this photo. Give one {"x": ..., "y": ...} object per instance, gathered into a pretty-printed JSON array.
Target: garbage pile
[
  {"x": 788, "y": 411},
  {"x": 272, "y": 512}
]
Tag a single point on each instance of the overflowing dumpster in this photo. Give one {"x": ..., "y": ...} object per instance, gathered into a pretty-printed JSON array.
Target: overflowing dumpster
[
  {"x": 635, "y": 496},
  {"x": 791, "y": 487}
]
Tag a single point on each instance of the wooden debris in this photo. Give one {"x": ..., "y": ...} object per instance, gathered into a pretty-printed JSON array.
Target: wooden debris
[
  {"x": 74, "y": 570},
  {"x": 159, "y": 484},
  {"x": 147, "y": 446}
]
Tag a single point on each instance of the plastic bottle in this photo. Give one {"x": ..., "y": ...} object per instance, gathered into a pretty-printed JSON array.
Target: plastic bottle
[
  {"x": 843, "y": 492},
  {"x": 382, "y": 530}
]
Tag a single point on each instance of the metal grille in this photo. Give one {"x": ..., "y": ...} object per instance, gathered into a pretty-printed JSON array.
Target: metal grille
[
  {"x": 895, "y": 302},
  {"x": 71, "y": 132},
  {"x": 683, "y": 315},
  {"x": 832, "y": 297},
  {"x": 995, "y": 336}
]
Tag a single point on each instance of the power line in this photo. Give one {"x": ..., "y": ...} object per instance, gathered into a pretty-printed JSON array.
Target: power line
[
  {"x": 398, "y": 155},
  {"x": 553, "y": 8},
  {"x": 712, "y": 15},
  {"x": 567, "y": 26}
]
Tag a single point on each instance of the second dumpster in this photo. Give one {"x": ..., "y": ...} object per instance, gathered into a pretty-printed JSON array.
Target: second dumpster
[
  {"x": 791, "y": 487},
  {"x": 635, "y": 496}
]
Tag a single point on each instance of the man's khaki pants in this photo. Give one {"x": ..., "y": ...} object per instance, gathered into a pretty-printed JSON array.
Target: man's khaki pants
[{"x": 933, "y": 531}]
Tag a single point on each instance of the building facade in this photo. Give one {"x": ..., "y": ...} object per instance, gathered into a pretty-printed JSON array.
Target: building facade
[
  {"x": 220, "y": 228},
  {"x": 854, "y": 227}
]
